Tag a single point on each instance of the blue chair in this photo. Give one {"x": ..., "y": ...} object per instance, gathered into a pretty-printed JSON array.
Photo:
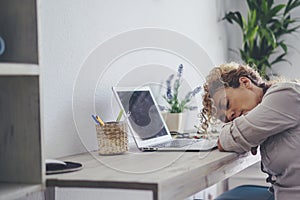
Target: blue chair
[{"x": 247, "y": 192}]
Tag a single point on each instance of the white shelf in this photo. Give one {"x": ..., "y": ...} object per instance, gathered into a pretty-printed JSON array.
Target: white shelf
[
  {"x": 15, "y": 191},
  {"x": 19, "y": 69}
]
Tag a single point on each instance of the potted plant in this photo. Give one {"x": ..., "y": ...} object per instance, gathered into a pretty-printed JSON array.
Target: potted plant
[
  {"x": 174, "y": 115},
  {"x": 264, "y": 32}
]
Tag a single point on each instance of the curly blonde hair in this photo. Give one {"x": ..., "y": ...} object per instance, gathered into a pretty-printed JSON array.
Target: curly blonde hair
[{"x": 221, "y": 77}]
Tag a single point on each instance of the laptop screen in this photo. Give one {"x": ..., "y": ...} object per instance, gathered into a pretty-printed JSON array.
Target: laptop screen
[{"x": 143, "y": 114}]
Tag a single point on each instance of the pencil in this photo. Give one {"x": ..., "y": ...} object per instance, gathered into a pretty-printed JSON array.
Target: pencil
[
  {"x": 94, "y": 118},
  {"x": 100, "y": 120},
  {"x": 120, "y": 115}
]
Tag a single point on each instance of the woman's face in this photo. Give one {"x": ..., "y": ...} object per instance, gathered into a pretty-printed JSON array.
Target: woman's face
[{"x": 234, "y": 102}]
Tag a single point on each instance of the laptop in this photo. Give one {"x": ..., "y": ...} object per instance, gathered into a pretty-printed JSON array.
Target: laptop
[{"x": 147, "y": 126}]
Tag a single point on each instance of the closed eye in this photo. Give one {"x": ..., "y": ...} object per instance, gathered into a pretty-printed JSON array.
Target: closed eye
[{"x": 227, "y": 105}]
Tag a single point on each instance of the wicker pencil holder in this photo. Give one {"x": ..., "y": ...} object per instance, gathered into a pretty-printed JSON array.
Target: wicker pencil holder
[{"x": 112, "y": 138}]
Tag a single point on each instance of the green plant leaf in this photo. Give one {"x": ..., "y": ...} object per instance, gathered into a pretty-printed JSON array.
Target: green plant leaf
[
  {"x": 264, "y": 6},
  {"x": 252, "y": 18},
  {"x": 275, "y": 10},
  {"x": 252, "y": 5},
  {"x": 283, "y": 46},
  {"x": 269, "y": 35},
  {"x": 278, "y": 59},
  {"x": 270, "y": 3},
  {"x": 235, "y": 17},
  {"x": 291, "y": 5},
  {"x": 292, "y": 29}
]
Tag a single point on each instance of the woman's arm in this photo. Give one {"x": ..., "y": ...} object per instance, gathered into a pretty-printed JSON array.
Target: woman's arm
[{"x": 277, "y": 113}]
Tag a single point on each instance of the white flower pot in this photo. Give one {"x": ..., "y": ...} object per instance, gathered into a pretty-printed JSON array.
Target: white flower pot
[{"x": 174, "y": 121}]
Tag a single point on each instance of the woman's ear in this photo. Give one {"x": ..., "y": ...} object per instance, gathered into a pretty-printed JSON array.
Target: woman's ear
[{"x": 245, "y": 82}]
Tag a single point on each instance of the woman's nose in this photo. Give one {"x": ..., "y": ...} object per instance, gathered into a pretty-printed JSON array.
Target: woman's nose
[{"x": 230, "y": 115}]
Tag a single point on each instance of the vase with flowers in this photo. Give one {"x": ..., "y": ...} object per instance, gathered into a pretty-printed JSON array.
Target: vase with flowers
[{"x": 175, "y": 110}]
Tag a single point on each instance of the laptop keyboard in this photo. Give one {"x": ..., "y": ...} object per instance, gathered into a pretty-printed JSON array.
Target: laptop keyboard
[{"x": 175, "y": 143}]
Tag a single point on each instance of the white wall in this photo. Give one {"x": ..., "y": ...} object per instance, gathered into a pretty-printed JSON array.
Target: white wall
[
  {"x": 72, "y": 30},
  {"x": 73, "y": 33}
]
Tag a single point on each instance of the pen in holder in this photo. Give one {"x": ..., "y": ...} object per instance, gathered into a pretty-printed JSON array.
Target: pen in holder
[{"x": 112, "y": 138}]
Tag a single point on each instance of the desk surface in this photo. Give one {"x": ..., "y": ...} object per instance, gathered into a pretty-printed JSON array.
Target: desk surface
[{"x": 169, "y": 175}]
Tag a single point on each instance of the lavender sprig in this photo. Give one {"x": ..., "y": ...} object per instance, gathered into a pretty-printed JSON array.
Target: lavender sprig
[
  {"x": 196, "y": 90},
  {"x": 180, "y": 70},
  {"x": 169, "y": 89}
]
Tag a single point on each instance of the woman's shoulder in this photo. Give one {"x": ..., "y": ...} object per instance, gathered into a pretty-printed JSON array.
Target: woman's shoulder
[
  {"x": 283, "y": 92},
  {"x": 284, "y": 97},
  {"x": 287, "y": 86}
]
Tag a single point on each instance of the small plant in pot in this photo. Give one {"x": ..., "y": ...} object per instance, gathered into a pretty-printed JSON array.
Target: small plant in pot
[{"x": 174, "y": 111}]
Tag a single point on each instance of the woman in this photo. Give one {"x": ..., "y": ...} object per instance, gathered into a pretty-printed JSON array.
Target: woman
[{"x": 255, "y": 113}]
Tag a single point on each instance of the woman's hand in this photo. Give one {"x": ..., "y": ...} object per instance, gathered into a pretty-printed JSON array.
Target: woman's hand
[{"x": 254, "y": 150}]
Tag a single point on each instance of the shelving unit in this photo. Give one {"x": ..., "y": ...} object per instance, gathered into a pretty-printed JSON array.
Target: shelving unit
[{"x": 22, "y": 166}]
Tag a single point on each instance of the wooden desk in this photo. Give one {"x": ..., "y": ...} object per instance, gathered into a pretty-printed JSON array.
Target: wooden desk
[{"x": 167, "y": 175}]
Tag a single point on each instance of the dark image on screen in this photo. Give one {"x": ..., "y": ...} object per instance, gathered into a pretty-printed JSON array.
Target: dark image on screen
[{"x": 143, "y": 114}]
